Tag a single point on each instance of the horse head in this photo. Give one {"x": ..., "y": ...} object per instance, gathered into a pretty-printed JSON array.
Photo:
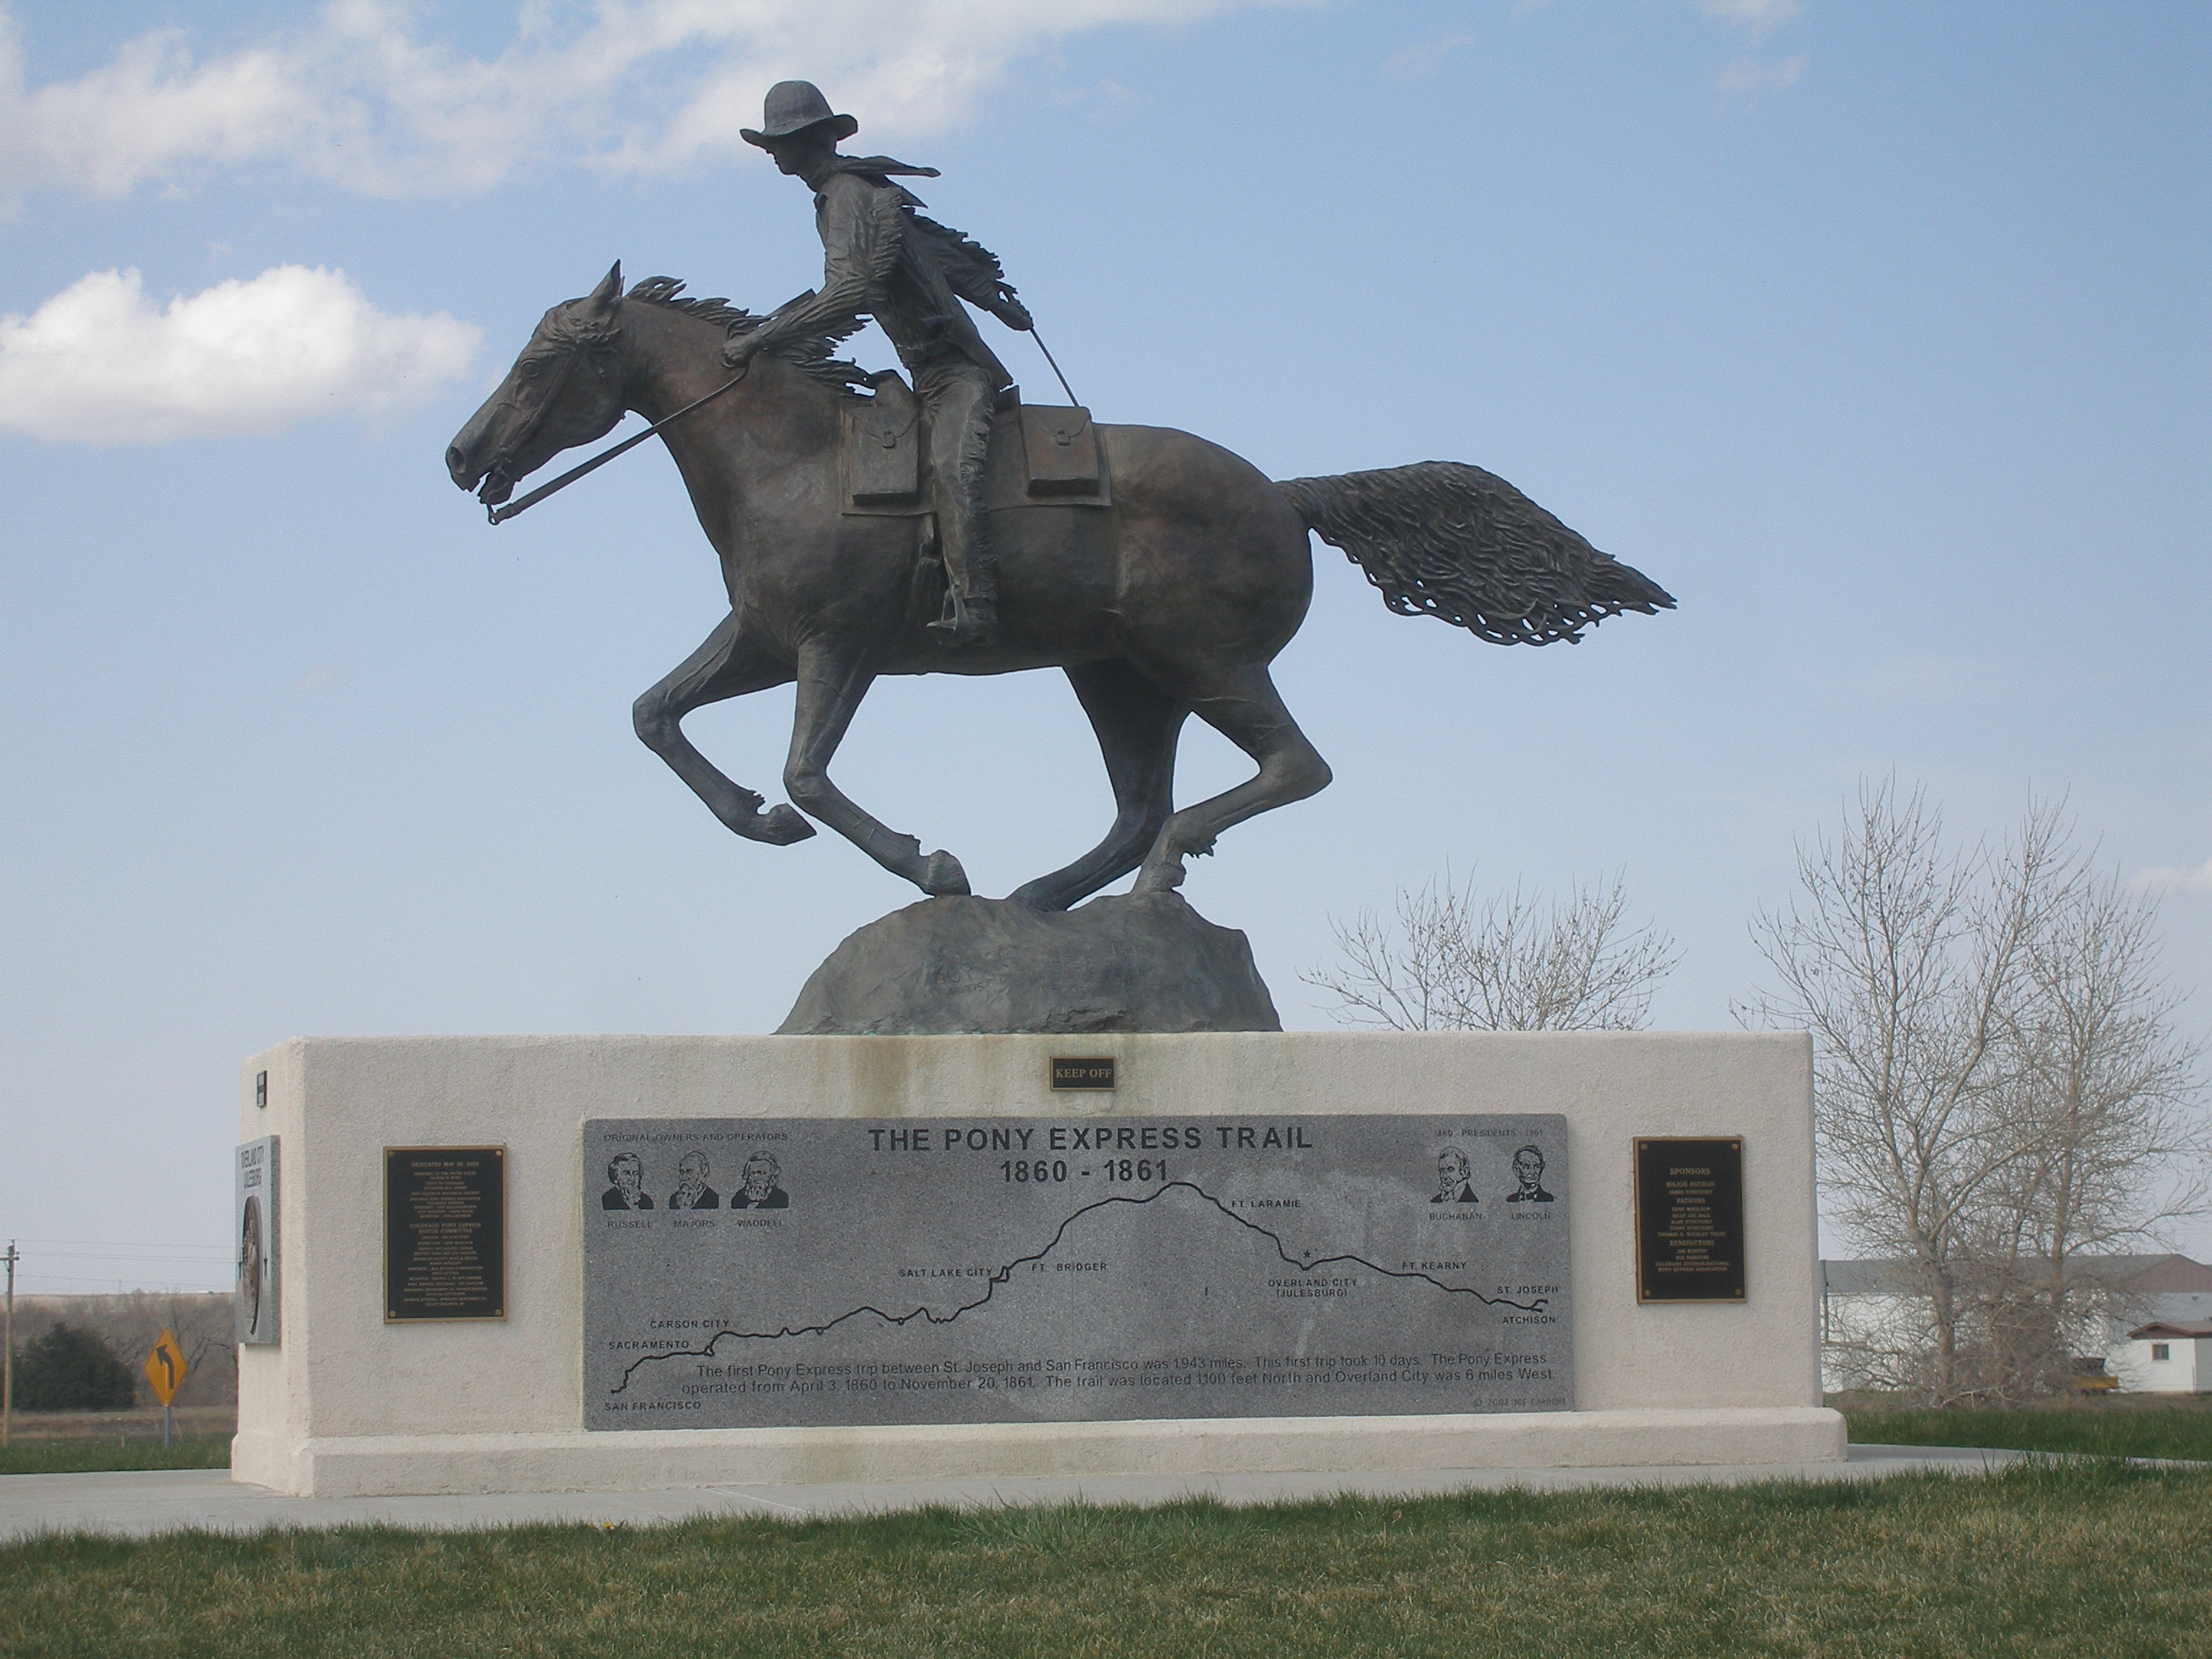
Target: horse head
[{"x": 565, "y": 389}]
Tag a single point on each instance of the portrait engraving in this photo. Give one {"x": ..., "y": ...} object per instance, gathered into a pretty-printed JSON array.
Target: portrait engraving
[{"x": 254, "y": 1232}]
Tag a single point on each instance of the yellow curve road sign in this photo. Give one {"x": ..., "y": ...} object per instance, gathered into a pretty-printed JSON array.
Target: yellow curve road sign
[{"x": 166, "y": 1367}]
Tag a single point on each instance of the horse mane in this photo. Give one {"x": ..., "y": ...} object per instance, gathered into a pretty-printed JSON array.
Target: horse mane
[{"x": 810, "y": 354}]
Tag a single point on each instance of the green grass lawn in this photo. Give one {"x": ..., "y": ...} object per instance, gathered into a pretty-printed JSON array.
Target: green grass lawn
[
  {"x": 89, "y": 1456},
  {"x": 2100, "y": 1559},
  {"x": 2102, "y": 1429}
]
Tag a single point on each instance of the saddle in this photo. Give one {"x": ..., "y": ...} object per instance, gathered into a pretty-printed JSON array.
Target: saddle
[{"x": 1039, "y": 455}]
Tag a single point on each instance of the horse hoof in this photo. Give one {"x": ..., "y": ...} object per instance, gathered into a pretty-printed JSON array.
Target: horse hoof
[
  {"x": 943, "y": 878},
  {"x": 1158, "y": 879},
  {"x": 782, "y": 825}
]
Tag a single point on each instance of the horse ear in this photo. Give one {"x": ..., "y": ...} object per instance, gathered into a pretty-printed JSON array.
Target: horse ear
[{"x": 603, "y": 296}]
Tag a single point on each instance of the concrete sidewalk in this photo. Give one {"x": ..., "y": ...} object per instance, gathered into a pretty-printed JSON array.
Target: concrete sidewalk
[{"x": 137, "y": 1505}]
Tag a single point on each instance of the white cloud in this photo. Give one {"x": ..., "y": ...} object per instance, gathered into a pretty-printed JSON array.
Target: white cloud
[
  {"x": 1757, "y": 15},
  {"x": 356, "y": 96},
  {"x": 99, "y": 363},
  {"x": 2174, "y": 878},
  {"x": 1422, "y": 59},
  {"x": 1748, "y": 75}
]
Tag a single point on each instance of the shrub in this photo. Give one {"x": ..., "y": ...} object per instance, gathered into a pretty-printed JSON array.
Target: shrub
[{"x": 71, "y": 1370}]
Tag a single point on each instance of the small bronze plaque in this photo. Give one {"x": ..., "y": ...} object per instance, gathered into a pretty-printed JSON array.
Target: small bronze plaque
[
  {"x": 1083, "y": 1074},
  {"x": 1689, "y": 1220},
  {"x": 445, "y": 1233}
]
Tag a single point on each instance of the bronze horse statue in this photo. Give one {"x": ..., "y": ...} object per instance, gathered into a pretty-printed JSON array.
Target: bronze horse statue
[{"x": 1171, "y": 602}]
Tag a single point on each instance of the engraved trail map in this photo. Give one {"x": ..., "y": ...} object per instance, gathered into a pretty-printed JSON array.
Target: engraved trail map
[{"x": 753, "y": 1272}]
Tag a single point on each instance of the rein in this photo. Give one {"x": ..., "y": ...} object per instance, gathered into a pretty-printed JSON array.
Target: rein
[{"x": 499, "y": 515}]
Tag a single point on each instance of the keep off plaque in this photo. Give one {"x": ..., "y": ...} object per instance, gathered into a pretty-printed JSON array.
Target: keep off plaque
[
  {"x": 445, "y": 1233},
  {"x": 1082, "y": 1073},
  {"x": 785, "y": 1271},
  {"x": 1689, "y": 1220}
]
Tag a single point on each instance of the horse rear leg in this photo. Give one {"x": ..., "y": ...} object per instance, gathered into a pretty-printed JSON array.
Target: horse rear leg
[
  {"x": 1244, "y": 706},
  {"x": 725, "y": 665},
  {"x": 1137, "y": 723},
  {"x": 830, "y": 688}
]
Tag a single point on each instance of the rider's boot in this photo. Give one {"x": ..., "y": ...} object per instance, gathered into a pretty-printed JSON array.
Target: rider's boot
[
  {"x": 959, "y": 439},
  {"x": 971, "y": 609}
]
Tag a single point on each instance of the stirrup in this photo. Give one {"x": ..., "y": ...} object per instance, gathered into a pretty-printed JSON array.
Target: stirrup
[{"x": 967, "y": 622}]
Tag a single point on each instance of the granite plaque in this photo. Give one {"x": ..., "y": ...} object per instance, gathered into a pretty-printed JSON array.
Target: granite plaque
[
  {"x": 253, "y": 1228},
  {"x": 754, "y": 1272},
  {"x": 445, "y": 1233},
  {"x": 1689, "y": 1220}
]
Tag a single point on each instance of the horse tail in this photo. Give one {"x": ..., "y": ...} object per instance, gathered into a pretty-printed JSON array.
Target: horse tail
[{"x": 1444, "y": 539}]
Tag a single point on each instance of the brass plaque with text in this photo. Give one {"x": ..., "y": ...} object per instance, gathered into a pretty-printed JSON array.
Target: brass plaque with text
[
  {"x": 445, "y": 1233},
  {"x": 1689, "y": 1220}
]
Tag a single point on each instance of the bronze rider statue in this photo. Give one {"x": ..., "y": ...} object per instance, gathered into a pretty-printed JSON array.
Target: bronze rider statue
[{"x": 882, "y": 259}]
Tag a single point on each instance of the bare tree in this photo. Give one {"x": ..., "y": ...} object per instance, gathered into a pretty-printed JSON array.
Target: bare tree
[
  {"x": 1997, "y": 1081},
  {"x": 1506, "y": 963},
  {"x": 2109, "y": 1088},
  {"x": 1901, "y": 971}
]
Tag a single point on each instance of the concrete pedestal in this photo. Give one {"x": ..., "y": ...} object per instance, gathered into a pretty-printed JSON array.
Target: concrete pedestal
[{"x": 347, "y": 1405}]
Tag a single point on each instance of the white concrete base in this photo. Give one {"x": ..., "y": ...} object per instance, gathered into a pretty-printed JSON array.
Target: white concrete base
[
  {"x": 347, "y": 1405},
  {"x": 365, "y": 1466},
  {"x": 145, "y": 1504}
]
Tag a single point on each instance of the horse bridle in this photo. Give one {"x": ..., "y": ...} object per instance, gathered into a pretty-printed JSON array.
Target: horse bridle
[
  {"x": 508, "y": 451},
  {"x": 497, "y": 472}
]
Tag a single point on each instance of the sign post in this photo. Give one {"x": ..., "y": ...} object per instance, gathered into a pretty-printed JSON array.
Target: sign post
[
  {"x": 8, "y": 1363},
  {"x": 165, "y": 1371}
]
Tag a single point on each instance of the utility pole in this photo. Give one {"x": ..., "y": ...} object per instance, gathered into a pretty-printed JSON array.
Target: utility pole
[{"x": 8, "y": 1365}]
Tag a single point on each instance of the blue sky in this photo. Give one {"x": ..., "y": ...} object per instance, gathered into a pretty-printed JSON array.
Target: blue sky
[{"x": 1875, "y": 332}]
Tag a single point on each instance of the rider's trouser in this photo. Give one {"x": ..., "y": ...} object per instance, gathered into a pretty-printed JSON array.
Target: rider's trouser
[{"x": 959, "y": 397}]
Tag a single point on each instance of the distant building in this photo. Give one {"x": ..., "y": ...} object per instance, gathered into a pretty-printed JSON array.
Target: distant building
[
  {"x": 2161, "y": 1358},
  {"x": 2171, "y": 1287},
  {"x": 1873, "y": 1312}
]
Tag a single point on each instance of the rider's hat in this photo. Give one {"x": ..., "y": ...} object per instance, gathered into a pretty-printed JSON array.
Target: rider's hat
[{"x": 792, "y": 106}]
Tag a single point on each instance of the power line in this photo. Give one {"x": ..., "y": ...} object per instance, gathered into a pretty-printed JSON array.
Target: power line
[
  {"x": 78, "y": 1251},
  {"x": 119, "y": 1243},
  {"x": 215, "y": 1258},
  {"x": 30, "y": 1276},
  {"x": 120, "y": 1268}
]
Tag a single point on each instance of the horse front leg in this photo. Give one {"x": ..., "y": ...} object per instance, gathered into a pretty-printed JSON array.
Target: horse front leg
[
  {"x": 830, "y": 688},
  {"x": 726, "y": 665}
]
